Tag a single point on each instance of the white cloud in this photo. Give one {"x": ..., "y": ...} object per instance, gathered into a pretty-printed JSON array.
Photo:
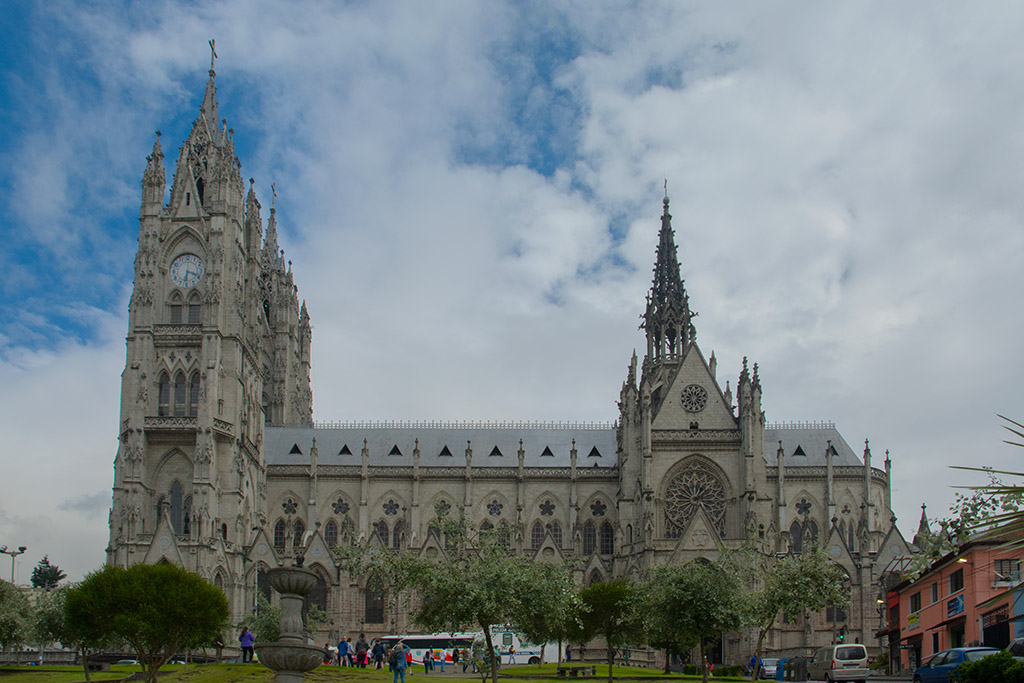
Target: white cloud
[{"x": 844, "y": 183}]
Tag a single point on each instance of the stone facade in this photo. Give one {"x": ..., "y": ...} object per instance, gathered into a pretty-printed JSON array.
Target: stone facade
[{"x": 220, "y": 468}]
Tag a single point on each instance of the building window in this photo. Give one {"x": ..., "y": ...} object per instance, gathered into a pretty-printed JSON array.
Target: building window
[
  {"x": 796, "y": 533},
  {"x": 224, "y": 532},
  {"x": 589, "y": 538},
  {"x": 382, "y": 532},
  {"x": 373, "y": 612},
  {"x": 1007, "y": 570},
  {"x": 956, "y": 583},
  {"x": 300, "y": 531},
  {"x": 536, "y": 535},
  {"x": 935, "y": 592},
  {"x": 556, "y": 534},
  {"x": 915, "y": 602},
  {"x": 179, "y": 395},
  {"x": 331, "y": 533},
  {"x": 835, "y": 614},
  {"x": 177, "y": 305},
  {"x": 504, "y": 534},
  {"x": 935, "y": 642},
  {"x": 164, "y": 396},
  {"x": 193, "y": 395},
  {"x": 396, "y": 537},
  {"x": 695, "y": 488},
  {"x": 195, "y": 310},
  {"x": 279, "y": 534},
  {"x": 607, "y": 539}
]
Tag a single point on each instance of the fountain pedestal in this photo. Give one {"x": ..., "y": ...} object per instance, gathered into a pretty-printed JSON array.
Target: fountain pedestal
[{"x": 290, "y": 657}]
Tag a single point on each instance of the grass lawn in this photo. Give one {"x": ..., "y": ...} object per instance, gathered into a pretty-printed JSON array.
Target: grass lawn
[{"x": 255, "y": 673}]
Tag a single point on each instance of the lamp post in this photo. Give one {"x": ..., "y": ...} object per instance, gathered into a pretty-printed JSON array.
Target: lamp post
[{"x": 13, "y": 554}]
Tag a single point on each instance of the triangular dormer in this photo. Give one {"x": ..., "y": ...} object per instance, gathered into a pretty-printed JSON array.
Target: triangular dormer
[
  {"x": 395, "y": 450},
  {"x": 691, "y": 398},
  {"x": 345, "y": 450}
]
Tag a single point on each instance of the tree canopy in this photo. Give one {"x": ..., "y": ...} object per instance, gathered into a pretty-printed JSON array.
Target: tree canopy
[
  {"x": 610, "y": 611},
  {"x": 158, "y": 610},
  {"x": 793, "y": 583},
  {"x": 15, "y": 615},
  {"x": 46, "y": 575},
  {"x": 689, "y": 604}
]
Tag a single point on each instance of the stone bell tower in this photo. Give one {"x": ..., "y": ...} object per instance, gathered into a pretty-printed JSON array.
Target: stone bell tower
[{"x": 217, "y": 347}]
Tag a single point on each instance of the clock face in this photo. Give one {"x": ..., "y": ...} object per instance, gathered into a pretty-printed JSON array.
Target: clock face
[
  {"x": 187, "y": 270},
  {"x": 694, "y": 398}
]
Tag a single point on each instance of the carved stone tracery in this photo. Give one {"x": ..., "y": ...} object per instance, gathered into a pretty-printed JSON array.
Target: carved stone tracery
[{"x": 697, "y": 487}]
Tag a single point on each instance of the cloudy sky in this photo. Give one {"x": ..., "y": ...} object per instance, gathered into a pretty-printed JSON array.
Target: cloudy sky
[{"x": 470, "y": 192}]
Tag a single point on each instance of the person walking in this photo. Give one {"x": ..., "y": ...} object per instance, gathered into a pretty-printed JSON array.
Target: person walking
[
  {"x": 362, "y": 647},
  {"x": 247, "y": 640},
  {"x": 397, "y": 661},
  {"x": 455, "y": 660},
  {"x": 342, "y": 652},
  {"x": 378, "y": 654}
]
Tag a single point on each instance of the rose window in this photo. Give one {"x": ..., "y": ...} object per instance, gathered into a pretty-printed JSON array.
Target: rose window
[
  {"x": 696, "y": 488},
  {"x": 390, "y": 507},
  {"x": 494, "y": 508},
  {"x": 694, "y": 398},
  {"x": 547, "y": 508},
  {"x": 289, "y": 507},
  {"x": 598, "y": 508},
  {"x": 340, "y": 507}
]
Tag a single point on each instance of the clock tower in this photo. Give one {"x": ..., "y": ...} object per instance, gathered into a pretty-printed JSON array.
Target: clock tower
[{"x": 218, "y": 346}]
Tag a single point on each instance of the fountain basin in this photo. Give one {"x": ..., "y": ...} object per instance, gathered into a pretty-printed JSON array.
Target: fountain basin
[
  {"x": 294, "y": 580},
  {"x": 281, "y": 657}
]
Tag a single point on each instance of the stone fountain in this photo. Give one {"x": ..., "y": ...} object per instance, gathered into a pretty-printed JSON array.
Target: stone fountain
[{"x": 291, "y": 657}]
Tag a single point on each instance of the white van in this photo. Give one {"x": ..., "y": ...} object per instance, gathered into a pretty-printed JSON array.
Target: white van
[{"x": 839, "y": 663}]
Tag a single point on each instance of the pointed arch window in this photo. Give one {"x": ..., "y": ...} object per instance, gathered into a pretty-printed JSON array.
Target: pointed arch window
[
  {"x": 796, "y": 533},
  {"x": 263, "y": 582},
  {"x": 279, "y": 534},
  {"x": 318, "y": 597},
  {"x": 300, "y": 531},
  {"x": 373, "y": 609},
  {"x": 195, "y": 309},
  {"x": 607, "y": 539},
  {"x": 177, "y": 500},
  {"x": 396, "y": 536},
  {"x": 348, "y": 529},
  {"x": 595, "y": 577},
  {"x": 177, "y": 307},
  {"x": 849, "y": 532},
  {"x": 504, "y": 534},
  {"x": 382, "y": 532},
  {"x": 179, "y": 395},
  {"x": 536, "y": 535},
  {"x": 193, "y": 395},
  {"x": 164, "y": 396},
  {"x": 331, "y": 533},
  {"x": 589, "y": 538},
  {"x": 556, "y": 534},
  {"x": 486, "y": 526}
]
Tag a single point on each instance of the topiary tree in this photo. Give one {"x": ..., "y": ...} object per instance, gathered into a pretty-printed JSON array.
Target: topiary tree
[{"x": 158, "y": 610}]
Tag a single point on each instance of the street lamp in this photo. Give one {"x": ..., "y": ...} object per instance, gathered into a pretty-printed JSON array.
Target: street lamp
[{"x": 13, "y": 554}]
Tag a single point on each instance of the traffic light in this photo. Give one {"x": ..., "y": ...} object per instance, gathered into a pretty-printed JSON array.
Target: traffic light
[{"x": 842, "y": 634}]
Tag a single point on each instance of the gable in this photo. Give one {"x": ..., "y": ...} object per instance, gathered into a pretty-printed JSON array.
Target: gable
[{"x": 693, "y": 397}]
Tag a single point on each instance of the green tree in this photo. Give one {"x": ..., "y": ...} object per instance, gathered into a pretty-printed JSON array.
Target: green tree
[
  {"x": 610, "y": 611},
  {"x": 558, "y": 616},
  {"x": 476, "y": 583},
  {"x": 46, "y": 575},
  {"x": 692, "y": 603},
  {"x": 158, "y": 610},
  {"x": 48, "y": 620},
  {"x": 794, "y": 583},
  {"x": 265, "y": 624},
  {"x": 15, "y": 615}
]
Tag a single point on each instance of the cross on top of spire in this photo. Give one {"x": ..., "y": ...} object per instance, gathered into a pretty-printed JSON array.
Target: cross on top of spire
[{"x": 213, "y": 52}]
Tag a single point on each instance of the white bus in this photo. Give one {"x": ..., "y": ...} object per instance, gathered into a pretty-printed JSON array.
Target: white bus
[{"x": 512, "y": 645}]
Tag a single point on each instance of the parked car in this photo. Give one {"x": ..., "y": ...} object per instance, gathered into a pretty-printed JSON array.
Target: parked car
[
  {"x": 1016, "y": 649},
  {"x": 768, "y": 667},
  {"x": 839, "y": 663},
  {"x": 938, "y": 668}
]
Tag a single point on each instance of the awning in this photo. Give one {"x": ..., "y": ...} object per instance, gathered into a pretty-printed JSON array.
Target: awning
[{"x": 947, "y": 622}]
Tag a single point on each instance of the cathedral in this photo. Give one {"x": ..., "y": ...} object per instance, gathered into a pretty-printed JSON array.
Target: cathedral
[{"x": 221, "y": 469}]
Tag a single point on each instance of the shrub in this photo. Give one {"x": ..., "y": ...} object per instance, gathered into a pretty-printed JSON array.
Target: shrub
[
  {"x": 728, "y": 671},
  {"x": 997, "y": 668}
]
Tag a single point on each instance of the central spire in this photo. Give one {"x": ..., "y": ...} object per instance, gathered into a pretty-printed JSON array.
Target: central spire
[{"x": 667, "y": 320}]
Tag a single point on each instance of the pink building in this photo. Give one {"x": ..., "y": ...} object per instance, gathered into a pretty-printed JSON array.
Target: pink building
[{"x": 962, "y": 600}]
